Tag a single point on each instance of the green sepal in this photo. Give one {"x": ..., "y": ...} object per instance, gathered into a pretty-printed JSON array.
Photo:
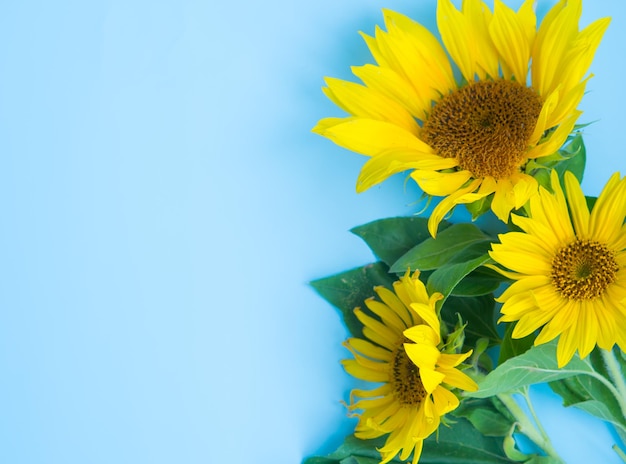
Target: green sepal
[
  {"x": 572, "y": 157},
  {"x": 348, "y": 290},
  {"x": 479, "y": 207}
]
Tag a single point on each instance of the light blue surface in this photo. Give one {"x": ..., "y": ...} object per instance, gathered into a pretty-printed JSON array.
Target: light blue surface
[{"x": 164, "y": 205}]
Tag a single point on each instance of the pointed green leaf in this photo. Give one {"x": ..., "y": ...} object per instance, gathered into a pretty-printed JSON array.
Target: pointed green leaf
[
  {"x": 482, "y": 281},
  {"x": 590, "y": 394},
  {"x": 446, "y": 278},
  {"x": 432, "y": 253},
  {"x": 391, "y": 238},
  {"x": 511, "y": 347},
  {"x": 536, "y": 365},
  {"x": 320, "y": 460},
  {"x": 348, "y": 290},
  {"x": 459, "y": 443},
  {"x": 485, "y": 416},
  {"x": 477, "y": 313}
]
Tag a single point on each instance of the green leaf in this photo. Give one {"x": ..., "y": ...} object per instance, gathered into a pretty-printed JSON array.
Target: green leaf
[
  {"x": 391, "y": 238},
  {"x": 482, "y": 281},
  {"x": 590, "y": 394},
  {"x": 348, "y": 290},
  {"x": 537, "y": 365},
  {"x": 459, "y": 443},
  {"x": 320, "y": 460},
  {"x": 433, "y": 253},
  {"x": 477, "y": 313},
  {"x": 446, "y": 278},
  {"x": 360, "y": 460},
  {"x": 486, "y": 417},
  {"x": 591, "y": 201},
  {"x": 511, "y": 347}
]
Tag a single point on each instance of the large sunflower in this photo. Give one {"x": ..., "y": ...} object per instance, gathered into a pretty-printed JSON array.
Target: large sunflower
[
  {"x": 401, "y": 350},
  {"x": 569, "y": 267},
  {"x": 467, "y": 139}
]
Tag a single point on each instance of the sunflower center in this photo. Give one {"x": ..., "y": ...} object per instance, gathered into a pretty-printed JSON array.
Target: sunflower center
[
  {"x": 405, "y": 379},
  {"x": 485, "y": 125},
  {"x": 583, "y": 270}
]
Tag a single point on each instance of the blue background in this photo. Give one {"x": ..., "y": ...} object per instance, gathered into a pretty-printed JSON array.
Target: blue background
[{"x": 164, "y": 205}]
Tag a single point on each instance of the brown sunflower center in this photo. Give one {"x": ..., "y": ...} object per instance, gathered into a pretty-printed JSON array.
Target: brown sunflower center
[
  {"x": 485, "y": 125},
  {"x": 405, "y": 379},
  {"x": 583, "y": 270}
]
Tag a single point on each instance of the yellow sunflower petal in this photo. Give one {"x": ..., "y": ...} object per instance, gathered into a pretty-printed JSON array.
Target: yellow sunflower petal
[
  {"x": 607, "y": 216},
  {"x": 423, "y": 334},
  {"x": 464, "y": 195},
  {"x": 391, "y": 300},
  {"x": 425, "y": 44},
  {"x": 556, "y": 33},
  {"x": 578, "y": 206},
  {"x": 386, "y": 314},
  {"x": 454, "y": 30},
  {"x": 371, "y": 137},
  {"x": 428, "y": 315},
  {"x": 566, "y": 347},
  {"x": 581, "y": 51},
  {"x": 458, "y": 379},
  {"x": 423, "y": 355},
  {"x": 478, "y": 19},
  {"x": 509, "y": 33},
  {"x": 544, "y": 121},
  {"x": 387, "y": 82},
  {"x": 557, "y": 138},
  {"x": 368, "y": 349},
  {"x": 440, "y": 183},
  {"x": 444, "y": 401},
  {"x": 362, "y": 101},
  {"x": 382, "y": 331},
  {"x": 453, "y": 360},
  {"x": 587, "y": 328},
  {"x": 393, "y": 161},
  {"x": 360, "y": 372}
]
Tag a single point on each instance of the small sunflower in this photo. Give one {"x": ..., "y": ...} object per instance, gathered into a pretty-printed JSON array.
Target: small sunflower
[
  {"x": 470, "y": 139},
  {"x": 401, "y": 351},
  {"x": 569, "y": 268}
]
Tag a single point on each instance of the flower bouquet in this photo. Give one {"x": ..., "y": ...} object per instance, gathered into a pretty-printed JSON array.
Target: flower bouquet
[{"x": 455, "y": 318}]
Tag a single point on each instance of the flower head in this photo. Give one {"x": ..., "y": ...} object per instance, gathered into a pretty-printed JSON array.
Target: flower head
[
  {"x": 469, "y": 140},
  {"x": 401, "y": 351},
  {"x": 569, "y": 268}
]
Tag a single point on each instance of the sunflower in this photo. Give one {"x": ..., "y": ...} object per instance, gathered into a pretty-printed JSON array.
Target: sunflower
[
  {"x": 401, "y": 352},
  {"x": 569, "y": 268},
  {"x": 467, "y": 139}
]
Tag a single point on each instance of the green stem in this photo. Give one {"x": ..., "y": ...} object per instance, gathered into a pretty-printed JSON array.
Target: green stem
[
  {"x": 619, "y": 452},
  {"x": 526, "y": 426},
  {"x": 617, "y": 376},
  {"x": 529, "y": 403}
]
